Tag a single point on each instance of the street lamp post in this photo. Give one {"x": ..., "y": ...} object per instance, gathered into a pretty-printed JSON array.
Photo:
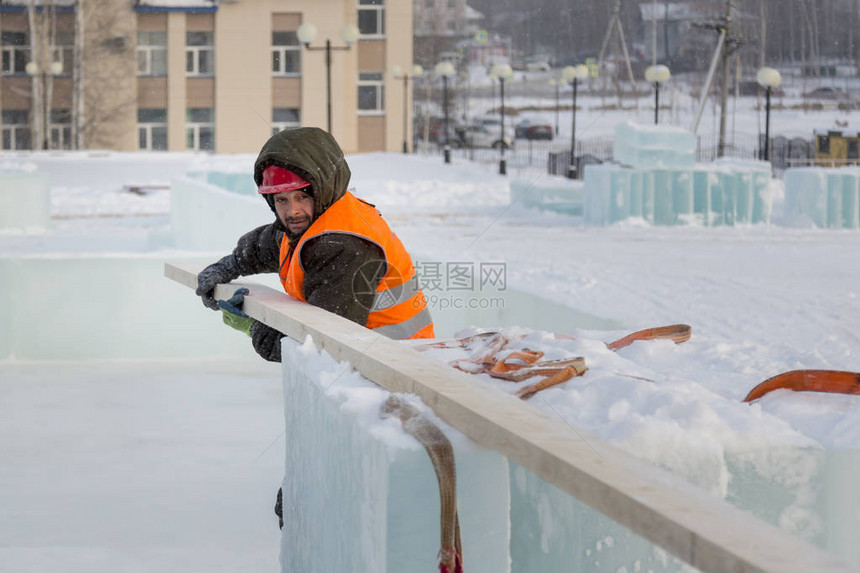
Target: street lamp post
[
  {"x": 307, "y": 33},
  {"x": 574, "y": 74},
  {"x": 502, "y": 72},
  {"x": 398, "y": 75},
  {"x": 445, "y": 70},
  {"x": 657, "y": 75},
  {"x": 768, "y": 78},
  {"x": 43, "y": 111}
]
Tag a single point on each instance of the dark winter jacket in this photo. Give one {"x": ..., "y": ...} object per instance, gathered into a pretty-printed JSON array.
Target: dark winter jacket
[{"x": 330, "y": 261}]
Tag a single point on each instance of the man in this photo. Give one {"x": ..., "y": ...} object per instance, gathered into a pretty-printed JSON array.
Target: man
[{"x": 329, "y": 248}]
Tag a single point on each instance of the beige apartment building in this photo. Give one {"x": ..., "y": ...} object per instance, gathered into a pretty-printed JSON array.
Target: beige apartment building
[{"x": 210, "y": 75}]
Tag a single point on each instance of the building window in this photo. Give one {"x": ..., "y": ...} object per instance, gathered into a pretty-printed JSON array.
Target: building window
[
  {"x": 285, "y": 118},
  {"x": 151, "y": 53},
  {"x": 16, "y": 129},
  {"x": 200, "y": 129},
  {"x": 15, "y": 53},
  {"x": 853, "y": 149},
  {"x": 60, "y": 129},
  {"x": 823, "y": 144},
  {"x": 152, "y": 129},
  {"x": 286, "y": 54},
  {"x": 199, "y": 54},
  {"x": 371, "y": 17},
  {"x": 371, "y": 93}
]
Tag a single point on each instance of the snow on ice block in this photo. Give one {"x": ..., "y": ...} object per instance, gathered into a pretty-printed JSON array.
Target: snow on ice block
[
  {"x": 206, "y": 217},
  {"x": 25, "y": 201},
  {"x": 550, "y": 193},
  {"x": 647, "y": 146},
  {"x": 360, "y": 494}
]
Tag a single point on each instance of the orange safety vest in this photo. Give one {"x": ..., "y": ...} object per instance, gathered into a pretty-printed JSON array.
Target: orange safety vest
[{"x": 399, "y": 307}]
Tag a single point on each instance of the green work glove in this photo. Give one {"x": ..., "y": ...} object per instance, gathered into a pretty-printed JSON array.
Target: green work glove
[{"x": 232, "y": 312}]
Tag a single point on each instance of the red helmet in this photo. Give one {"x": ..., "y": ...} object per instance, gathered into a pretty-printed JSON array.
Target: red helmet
[{"x": 277, "y": 179}]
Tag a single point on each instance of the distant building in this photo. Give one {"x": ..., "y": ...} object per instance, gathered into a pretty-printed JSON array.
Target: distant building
[
  {"x": 208, "y": 75},
  {"x": 440, "y": 25}
]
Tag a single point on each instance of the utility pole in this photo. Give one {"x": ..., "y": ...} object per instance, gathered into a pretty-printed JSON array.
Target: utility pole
[{"x": 724, "y": 96}]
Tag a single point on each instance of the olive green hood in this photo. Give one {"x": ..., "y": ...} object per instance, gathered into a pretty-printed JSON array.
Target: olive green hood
[{"x": 313, "y": 154}]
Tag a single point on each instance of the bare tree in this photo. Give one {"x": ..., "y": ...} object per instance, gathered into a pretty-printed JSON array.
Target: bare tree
[{"x": 105, "y": 98}]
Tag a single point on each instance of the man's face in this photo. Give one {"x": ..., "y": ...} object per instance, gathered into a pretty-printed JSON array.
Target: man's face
[{"x": 295, "y": 209}]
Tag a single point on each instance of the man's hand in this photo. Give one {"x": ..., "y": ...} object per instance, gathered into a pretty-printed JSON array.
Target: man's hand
[
  {"x": 233, "y": 314},
  {"x": 221, "y": 272}
]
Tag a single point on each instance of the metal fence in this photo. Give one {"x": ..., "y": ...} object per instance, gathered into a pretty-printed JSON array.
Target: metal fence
[{"x": 554, "y": 156}]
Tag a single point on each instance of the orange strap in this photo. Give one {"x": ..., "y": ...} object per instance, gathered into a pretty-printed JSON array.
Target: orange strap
[
  {"x": 835, "y": 381},
  {"x": 678, "y": 333}
]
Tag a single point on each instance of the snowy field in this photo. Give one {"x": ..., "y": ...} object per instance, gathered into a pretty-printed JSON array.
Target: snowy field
[{"x": 173, "y": 465}]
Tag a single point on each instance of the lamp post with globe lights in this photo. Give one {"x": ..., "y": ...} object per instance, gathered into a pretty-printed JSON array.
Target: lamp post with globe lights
[
  {"x": 768, "y": 78},
  {"x": 307, "y": 33},
  {"x": 397, "y": 74},
  {"x": 503, "y": 73},
  {"x": 445, "y": 70},
  {"x": 556, "y": 83},
  {"x": 573, "y": 74},
  {"x": 657, "y": 75}
]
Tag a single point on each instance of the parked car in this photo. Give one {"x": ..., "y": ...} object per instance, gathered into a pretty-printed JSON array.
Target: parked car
[
  {"x": 538, "y": 64},
  {"x": 826, "y": 92},
  {"x": 494, "y": 124},
  {"x": 533, "y": 129},
  {"x": 437, "y": 129},
  {"x": 480, "y": 135}
]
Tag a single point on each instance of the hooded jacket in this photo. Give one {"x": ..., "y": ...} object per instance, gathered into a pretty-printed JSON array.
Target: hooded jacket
[{"x": 327, "y": 258}]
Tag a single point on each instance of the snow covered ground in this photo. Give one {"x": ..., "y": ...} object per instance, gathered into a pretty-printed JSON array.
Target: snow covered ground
[{"x": 173, "y": 465}]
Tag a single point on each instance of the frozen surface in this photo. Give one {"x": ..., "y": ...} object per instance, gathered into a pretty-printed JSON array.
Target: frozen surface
[{"x": 139, "y": 466}]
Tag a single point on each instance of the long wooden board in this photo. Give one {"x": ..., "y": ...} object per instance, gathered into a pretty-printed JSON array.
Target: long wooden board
[{"x": 698, "y": 528}]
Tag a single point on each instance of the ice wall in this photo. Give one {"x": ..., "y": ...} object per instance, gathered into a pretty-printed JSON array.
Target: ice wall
[
  {"x": 548, "y": 193},
  {"x": 653, "y": 146},
  {"x": 25, "y": 201},
  {"x": 722, "y": 193},
  {"x": 823, "y": 197},
  {"x": 361, "y": 495},
  {"x": 206, "y": 217},
  {"x": 73, "y": 306}
]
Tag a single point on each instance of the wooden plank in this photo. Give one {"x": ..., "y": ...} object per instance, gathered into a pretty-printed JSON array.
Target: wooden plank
[{"x": 698, "y": 528}]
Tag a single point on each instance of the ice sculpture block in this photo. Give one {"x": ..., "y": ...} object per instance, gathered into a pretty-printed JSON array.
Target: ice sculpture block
[
  {"x": 25, "y": 201},
  {"x": 722, "y": 193},
  {"x": 823, "y": 197},
  {"x": 643, "y": 146},
  {"x": 550, "y": 193},
  {"x": 360, "y": 494}
]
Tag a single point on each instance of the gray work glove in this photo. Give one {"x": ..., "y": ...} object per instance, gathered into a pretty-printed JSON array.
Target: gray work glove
[{"x": 218, "y": 273}]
